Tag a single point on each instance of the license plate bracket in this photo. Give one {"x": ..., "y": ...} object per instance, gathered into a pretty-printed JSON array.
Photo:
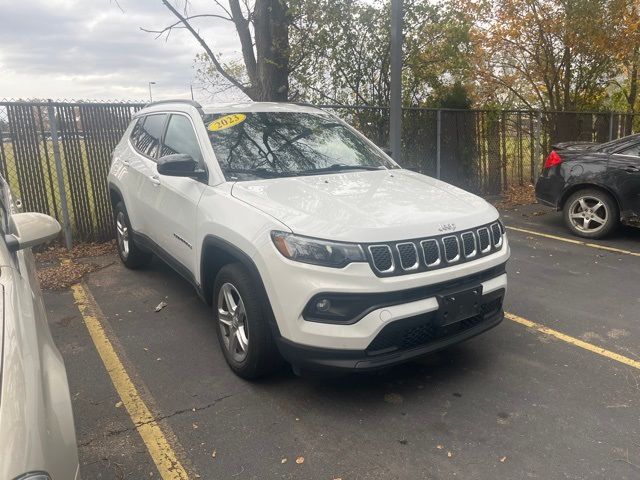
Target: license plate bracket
[{"x": 459, "y": 305}]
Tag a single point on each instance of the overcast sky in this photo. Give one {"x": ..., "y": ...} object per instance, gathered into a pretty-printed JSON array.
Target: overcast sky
[{"x": 90, "y": 49}]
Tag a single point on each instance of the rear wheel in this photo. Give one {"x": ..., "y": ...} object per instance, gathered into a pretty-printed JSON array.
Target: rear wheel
[
  {"x": 130, "y": 253},
  {"x": 591, "y": 213},
  {"x": 243, "y": 329}
]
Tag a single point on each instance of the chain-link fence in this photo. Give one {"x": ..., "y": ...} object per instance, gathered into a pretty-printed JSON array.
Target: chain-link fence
[
  {"x": 485, "y": 151},
  {"x": 55, "y": 155}
]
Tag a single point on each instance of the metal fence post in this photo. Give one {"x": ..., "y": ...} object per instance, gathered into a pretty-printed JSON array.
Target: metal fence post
[
  {"x": 438, "y": 141},
  {"x": 66, "y": 222},
  {"x": 610, "y": 126},
  {"x": 537, "y": 145}
]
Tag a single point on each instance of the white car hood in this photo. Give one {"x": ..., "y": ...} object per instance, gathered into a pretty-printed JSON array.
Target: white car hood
[{"x": 366, "y": 206}]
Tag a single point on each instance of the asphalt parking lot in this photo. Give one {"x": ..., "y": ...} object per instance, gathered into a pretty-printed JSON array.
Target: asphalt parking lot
[{"x": 520, "y": 401}]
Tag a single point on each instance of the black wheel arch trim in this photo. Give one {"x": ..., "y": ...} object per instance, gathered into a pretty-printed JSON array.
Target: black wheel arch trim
[
  {"x": 213, "y": 241},
  {"x": 576, "y": 187},
  {"x": 114, "y": 188}
]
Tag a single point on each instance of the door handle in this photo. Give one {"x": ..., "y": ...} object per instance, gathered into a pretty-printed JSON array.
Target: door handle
[
  {"x": 155, "y": 180},
  {"x": 631, "y": 169},
  {"x": 125, "y": 162}
]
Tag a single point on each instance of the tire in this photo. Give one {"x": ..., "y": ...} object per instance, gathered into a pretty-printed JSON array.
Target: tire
[
  {"x": 245, "y": 339},
  {"x": 591, "y": 213},
  {"x": 130, "y": 254}
]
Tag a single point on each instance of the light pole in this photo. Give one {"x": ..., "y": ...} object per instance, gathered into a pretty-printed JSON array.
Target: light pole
[
  {"x": 395, "y": 112},
  {"x": 191, "y": 88},
  {"x": 150, "y": 97}
]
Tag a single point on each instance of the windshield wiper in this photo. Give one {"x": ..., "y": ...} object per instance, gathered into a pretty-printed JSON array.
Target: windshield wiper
[
  {"x": 258, "y": 172},
  {"x": 338, "y": 167}
]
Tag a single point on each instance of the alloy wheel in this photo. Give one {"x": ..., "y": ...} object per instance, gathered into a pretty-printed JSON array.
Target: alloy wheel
[
  {"x": 232, "y": 317},
  {"x": 123, "y": 235},
  {"x": 588, "y": 214}
]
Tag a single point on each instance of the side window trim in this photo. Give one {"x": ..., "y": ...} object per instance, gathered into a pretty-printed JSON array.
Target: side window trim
[{"x": 161, "y": 139}]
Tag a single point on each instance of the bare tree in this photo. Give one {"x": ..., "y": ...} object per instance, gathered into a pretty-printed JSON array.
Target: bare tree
[{"x": 263, "y": 32}]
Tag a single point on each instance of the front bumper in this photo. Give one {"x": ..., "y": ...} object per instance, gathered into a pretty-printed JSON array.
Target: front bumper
[
  {"x": 291, "y": 285},
  {"x": 399, "y": 342}
]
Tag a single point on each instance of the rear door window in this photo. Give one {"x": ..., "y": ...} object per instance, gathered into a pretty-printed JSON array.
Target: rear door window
[{"x": 147, "y": 138}]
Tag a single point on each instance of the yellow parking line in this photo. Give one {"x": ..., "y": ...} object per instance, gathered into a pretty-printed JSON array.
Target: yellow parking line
[
  {"x": 576, "y": 242},
  {"x": 573, "y": 341},
  {"x": 161, "y": 452}
]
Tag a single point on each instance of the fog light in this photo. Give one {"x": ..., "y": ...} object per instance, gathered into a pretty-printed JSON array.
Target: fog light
[{"x": 323, "y": 305}]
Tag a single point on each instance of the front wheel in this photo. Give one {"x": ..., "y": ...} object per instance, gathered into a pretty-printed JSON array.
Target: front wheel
[
  {"x": 591, "y": 213},
  {"x": 131, "y": 254},
  {"x": 243, "y": 330}
]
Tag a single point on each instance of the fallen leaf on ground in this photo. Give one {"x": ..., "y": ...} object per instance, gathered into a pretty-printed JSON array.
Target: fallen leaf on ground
[
  {"x": 284, "y": 460},
  {"x": 161, "y": 305},
  {"x": 503, "y": 459},
  {"x": 82, "y": 250},
  {"x": 64, "y": 275},
  {"x": 299, "y": 460},
  {"x": 449, "y": 454},
  {"x": 118, "y": 405},
  {"x": 213, "y": 454}
]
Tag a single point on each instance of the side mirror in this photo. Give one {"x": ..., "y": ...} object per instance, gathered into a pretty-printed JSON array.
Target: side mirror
[
  {"x": 31, "y": 229},
  {"x": 179, "y": 165}
]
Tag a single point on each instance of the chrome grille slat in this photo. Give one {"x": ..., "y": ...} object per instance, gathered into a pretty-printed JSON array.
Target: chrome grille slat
[
  {"x": 484, "y": 239},
  {"x": 451, "y": 248},
  {"x": 496, "y": 233},
  {"x": 408, "y": 254},
  {"x": 382, "y": 258},
  {"x": 469, "y": 244},
  {"x": 431, "y": 252}
]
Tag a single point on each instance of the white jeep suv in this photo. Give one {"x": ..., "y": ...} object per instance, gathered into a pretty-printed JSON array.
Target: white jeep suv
[{"x": 309, "y": 242}]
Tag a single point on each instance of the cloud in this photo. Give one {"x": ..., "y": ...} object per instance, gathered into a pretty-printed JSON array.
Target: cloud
[{"x": 90, "y": 49}]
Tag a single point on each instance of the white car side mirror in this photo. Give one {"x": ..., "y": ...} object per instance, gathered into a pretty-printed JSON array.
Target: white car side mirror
[{"x": 31, "y": 229}]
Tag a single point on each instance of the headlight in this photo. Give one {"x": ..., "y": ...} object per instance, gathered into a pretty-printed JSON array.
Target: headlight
[{"x": 317, "y": 252}]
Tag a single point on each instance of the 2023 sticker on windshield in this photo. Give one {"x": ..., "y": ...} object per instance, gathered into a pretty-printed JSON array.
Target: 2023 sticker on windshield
[{"x": 227, "y": 121}]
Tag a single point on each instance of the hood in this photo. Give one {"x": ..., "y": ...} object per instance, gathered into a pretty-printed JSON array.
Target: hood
[{"x": 367, "y": 206}]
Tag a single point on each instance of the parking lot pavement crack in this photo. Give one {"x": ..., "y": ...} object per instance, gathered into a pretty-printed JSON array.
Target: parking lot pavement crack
[{"x": 159, "y": 418}]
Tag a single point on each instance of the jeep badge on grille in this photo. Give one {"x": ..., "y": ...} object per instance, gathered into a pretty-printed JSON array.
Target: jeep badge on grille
[{"x": 447, "y": 227}]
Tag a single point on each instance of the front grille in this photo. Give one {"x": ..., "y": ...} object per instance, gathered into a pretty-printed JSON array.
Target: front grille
[
  {"x": 418, "y": 331},
  {"x": 420, "y": 335},
  {"x": 382, "y": 258},
  {"x": 410, "y": 256}
]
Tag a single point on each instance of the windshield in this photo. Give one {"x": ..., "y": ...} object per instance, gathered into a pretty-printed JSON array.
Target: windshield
[{"x": 278, "y": 144}]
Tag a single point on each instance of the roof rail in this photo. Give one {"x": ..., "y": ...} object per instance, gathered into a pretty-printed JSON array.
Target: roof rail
[{"x": 193, "y": 103}]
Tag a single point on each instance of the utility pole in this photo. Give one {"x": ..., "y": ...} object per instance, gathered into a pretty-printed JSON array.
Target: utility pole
[
  {"x": 151, "y": 97},
  {"x": 395, "y": 117},
  {"x": 191, "y": 88}
]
